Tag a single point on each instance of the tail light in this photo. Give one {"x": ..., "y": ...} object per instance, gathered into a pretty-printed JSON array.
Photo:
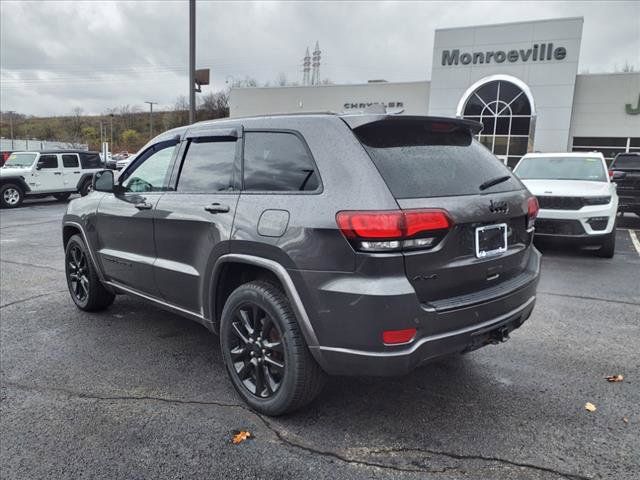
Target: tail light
[
  {"x": 610, "y": 174},
  {"x": 393, "y": 230},
  {"x": 532, "y": 211}
]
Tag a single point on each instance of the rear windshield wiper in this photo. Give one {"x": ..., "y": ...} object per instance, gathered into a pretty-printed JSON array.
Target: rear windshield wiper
[{"x": 494, "y": 181}]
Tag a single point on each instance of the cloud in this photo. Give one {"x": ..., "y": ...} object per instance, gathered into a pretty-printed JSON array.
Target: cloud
[{"x": 99, "y": 55}]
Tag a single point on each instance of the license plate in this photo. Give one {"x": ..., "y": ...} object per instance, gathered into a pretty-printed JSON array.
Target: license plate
[{"x": 491, "y": 240}]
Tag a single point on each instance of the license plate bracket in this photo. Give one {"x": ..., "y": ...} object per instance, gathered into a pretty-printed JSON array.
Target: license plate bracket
[{"x": 491, "y": 240}]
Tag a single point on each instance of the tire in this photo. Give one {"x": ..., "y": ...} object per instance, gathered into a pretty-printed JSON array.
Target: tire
[
  {"x": 297, "y": 380},
  {"x": 11, "y": 195},
  {"x": 608, "y": 248},
  {"x": 62, "y": 197},
  {"x": 86, "y": 290},
  {"x": 86, "y": 188}
]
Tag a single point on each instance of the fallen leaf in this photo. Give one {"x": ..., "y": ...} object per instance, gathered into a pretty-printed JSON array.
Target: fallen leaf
[
  {"x": 625, "y": 419},
  {"x": 240, "y": 437},
  {"x": 590, "y": 406},
  {"x": 614, "y": 378}
]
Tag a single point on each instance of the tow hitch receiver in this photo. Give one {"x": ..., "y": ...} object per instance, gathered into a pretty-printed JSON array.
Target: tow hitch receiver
[{"x": 499, "y": 335}]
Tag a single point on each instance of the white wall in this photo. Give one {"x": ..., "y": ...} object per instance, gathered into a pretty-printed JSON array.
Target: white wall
[
  {"x": 599, "y": 105},
  {"x": 551, "y": 81},
  {"x": 258, "y": 101}
]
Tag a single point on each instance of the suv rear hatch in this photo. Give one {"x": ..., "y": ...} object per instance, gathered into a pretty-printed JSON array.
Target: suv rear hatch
[{"x": 432, "y": 163}]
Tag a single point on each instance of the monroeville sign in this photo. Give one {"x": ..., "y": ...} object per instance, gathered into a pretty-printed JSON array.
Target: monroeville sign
[{"x": 537, "y": 53}]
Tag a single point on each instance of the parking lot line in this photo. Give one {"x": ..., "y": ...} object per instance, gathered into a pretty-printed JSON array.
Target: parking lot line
[{"x": 634, "y": 240}]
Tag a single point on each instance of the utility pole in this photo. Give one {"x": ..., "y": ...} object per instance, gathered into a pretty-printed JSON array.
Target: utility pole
[
  {"x": 151, "y": 104},
  {"x": 111, "y": 115},
  {"x": 192, "y": 61},
  {"x": 11, "y": 112}
]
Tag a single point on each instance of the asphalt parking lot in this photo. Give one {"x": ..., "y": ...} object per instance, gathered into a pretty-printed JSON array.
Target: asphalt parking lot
[{"x": 136, "y": 392}]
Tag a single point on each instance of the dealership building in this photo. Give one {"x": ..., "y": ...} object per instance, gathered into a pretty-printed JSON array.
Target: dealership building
[{"x": 520, "y": 80}]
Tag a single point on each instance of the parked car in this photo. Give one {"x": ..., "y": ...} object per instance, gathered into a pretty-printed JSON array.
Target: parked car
[
  {"x": 55, "y": 172},
  {"x": 625, "y": 172},
  {"x": 124, "y": 161},
  {"x": 577, "y": 200},
  {"x": 314, "y": 244},
  {"x": 110, "y": 162}
]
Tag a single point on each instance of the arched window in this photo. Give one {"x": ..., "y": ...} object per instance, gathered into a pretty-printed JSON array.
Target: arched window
[{"x": 505, "y": 108}]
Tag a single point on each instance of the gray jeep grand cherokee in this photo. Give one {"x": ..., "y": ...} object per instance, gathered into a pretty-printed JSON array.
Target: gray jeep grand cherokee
[{"x": 314, "y": 244}]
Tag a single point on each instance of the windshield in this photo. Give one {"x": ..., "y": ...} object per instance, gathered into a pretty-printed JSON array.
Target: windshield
[
  {"x": 20, "y": 160},
  {"x": 627, "y": 162},
  {"x": 561, "y": 168}
]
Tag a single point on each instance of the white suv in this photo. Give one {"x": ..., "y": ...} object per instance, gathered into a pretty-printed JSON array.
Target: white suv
[
  {"x": 578, "y": 202},
  {"x": 59, "y": 173}
]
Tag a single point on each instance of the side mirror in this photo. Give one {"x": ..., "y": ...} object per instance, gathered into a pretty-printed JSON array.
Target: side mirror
[
  {"x": 39, "y": 165},
  {"x": 103, "y": 181},
  {"x": 618, "y": 175}
]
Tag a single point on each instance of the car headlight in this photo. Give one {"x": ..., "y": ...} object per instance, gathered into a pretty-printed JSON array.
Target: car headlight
[{"x": 596, "y": 200}]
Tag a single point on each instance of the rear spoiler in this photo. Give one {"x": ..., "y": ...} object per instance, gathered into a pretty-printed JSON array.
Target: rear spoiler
[{"x": 358, "y": 120}]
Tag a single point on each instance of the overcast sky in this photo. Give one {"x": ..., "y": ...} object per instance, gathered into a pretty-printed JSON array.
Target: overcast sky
[{"x": 56, "y": 56}]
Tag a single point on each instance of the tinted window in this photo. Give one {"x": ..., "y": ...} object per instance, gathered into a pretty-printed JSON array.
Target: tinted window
[
  {"x": 151, "y": 174},
  {"x": 275, "y": 161},
  {"x": 70, "y": 161},
  {"x": 90, "y": 160},
  {"x": 208, "y": 166},
  {"x": 627, "y": 161},
  {"x": 424, "y": 159},
  {"x": 562, "y": 168},
  {"x": 48, "y": 161}
]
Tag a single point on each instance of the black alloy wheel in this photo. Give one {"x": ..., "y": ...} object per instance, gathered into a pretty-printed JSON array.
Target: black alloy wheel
[
  {"x": 85, "y": 287},
  {"x": 77, "y": 268},
  {"x": 256, "y": 350},
  {"x": 264, "y": 351}
]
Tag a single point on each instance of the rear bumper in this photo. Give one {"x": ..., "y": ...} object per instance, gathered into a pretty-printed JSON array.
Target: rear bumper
[
  {"x": 349, "y": 326},
  {"x": 345, "y": 361}
]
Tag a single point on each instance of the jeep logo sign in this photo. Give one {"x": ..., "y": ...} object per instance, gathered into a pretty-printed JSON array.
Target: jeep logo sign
[{"x": 537, "y": 53}]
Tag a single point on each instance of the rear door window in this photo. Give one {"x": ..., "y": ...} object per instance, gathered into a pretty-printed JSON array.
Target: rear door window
[
  {"x": 70, "y": 161},
  {"x": 419, "y": 159},
  {"x": 208, "y": 166},
  {"x": 278, "y": 162}
]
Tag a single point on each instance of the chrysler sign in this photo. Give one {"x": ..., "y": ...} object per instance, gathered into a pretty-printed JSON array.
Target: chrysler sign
[{"x": 537, "y": 53}]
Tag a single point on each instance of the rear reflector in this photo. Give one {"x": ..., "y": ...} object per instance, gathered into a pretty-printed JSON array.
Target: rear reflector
[
  {"x": 532, "y": 210},
  {"x": 394, "y": 337}
]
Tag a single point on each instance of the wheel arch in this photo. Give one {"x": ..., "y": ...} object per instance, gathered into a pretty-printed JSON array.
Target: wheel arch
[
  {"x": 85, "y": 176},
  {"x": 20, "y": 181},
  {"x": 231, "y": 270}
]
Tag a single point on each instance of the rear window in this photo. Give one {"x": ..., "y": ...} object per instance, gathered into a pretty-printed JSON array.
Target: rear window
[
  {"x": 627, "y": 162},
  {"x": 90, "y": 160},
  {"x": 416, "y": 160}
]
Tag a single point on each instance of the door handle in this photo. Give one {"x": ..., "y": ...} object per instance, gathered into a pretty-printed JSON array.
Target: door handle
[
  {"x": 76, "y": 172},
  {"x": 57, "y": 173},
  {"x": 143, "y": 206},
  {"x": 217, "y": 208}
]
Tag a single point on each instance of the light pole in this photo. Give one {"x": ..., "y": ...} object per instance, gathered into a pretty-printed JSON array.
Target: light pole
[
  {"x": 11, "y": 112},
  {"x": 192, "y": 61},
  {"x": 151, "y": 104}
]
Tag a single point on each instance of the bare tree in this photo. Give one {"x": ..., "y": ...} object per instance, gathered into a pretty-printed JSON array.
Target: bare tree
[{"x": 214, "y": 105}]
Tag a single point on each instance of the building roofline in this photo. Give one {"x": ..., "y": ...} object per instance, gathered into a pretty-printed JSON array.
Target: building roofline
[
  {"x": 511, "y": 23},
  {"x": 331, "y": 85}
]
